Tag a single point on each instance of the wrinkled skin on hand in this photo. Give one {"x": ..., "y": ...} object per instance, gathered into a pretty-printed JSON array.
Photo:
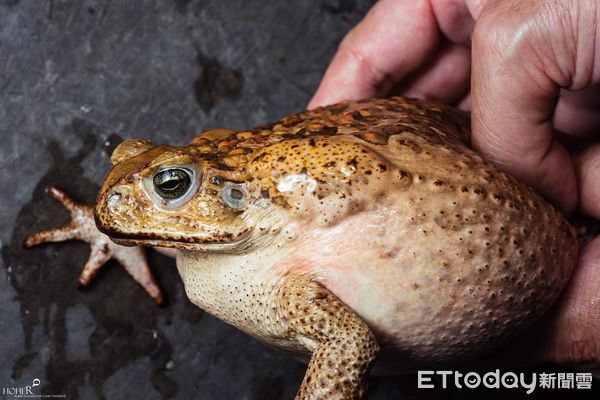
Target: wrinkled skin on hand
[{"x": 529, "y": 71}]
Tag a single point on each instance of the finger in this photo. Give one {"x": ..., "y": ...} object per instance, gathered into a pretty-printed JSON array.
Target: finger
[
  {"x": 456, "y": 18},
  {"x": 572, "y": 334},
  {"x": 475, "y": 7},
  {"x": 444, "y": 79},
  {"x": 578, "y": 113},
  {"x": 395, "y": 38},
  {"x": 587, "y": 168},
  {"x": 514, "y": 95},
  {"x": 465, "y": 103}
]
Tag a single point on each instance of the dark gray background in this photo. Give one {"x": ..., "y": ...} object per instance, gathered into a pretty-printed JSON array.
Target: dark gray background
[{"x": 76, "y": 78}]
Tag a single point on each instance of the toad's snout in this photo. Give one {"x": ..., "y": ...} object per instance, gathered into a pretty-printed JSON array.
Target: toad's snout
[{"x": 114, "y": 210}]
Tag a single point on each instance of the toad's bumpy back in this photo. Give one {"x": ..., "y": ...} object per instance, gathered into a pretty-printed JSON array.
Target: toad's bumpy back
[
  {"x": 352, "y": 152},
  {"x": 373, "y": 121}
]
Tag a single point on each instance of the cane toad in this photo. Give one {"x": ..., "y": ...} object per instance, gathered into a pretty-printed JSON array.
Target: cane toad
[{"x": 336, "y": 234}]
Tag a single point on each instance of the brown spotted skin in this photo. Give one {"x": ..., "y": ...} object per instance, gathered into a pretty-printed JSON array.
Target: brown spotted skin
[
  {"x": 344, "y": 347},
  {"x": 361, "y": 219}
]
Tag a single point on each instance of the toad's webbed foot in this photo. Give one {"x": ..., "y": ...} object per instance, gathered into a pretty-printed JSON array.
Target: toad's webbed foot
[{"x": 82, "y": 227}]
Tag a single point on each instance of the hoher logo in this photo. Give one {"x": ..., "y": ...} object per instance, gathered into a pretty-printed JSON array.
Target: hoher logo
[{"x": 21, "y": 391}]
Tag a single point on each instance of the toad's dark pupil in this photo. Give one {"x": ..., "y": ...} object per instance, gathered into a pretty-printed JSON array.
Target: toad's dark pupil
[
  {"x": 236, "y": 194},
  {"x": 171, "y": 183}
]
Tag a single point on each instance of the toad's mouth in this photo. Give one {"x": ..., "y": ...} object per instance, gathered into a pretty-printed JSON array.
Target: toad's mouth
[
  {"x": 206, "y": 241},
  {"x": 203, "y": 246}
]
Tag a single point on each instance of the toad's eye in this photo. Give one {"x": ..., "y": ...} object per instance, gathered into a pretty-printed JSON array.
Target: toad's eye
[
  {"x": 234, "y": 196},
  {"x": 172, "y": 183},
  {"x": 173, "y": 186}
]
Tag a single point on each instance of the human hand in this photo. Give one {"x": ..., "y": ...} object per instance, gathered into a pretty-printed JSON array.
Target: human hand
[{"x": 534, "y": 86}]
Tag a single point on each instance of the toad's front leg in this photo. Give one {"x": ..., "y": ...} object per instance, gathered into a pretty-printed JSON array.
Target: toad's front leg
[
  {"x": 344, "y": 347},
  {"x": 83, "y": 227}
]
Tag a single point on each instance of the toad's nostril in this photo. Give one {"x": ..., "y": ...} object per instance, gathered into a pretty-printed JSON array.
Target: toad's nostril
[{"x": 114, "y": 198}]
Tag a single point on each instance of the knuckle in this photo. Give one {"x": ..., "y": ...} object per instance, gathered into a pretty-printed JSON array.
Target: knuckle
[
  {"x": 510, "y": 22},
  {"x": 491, "y": 29}
]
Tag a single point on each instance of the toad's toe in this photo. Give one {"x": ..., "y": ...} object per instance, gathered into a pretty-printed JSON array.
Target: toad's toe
[{"x": 83, "y": 227}]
